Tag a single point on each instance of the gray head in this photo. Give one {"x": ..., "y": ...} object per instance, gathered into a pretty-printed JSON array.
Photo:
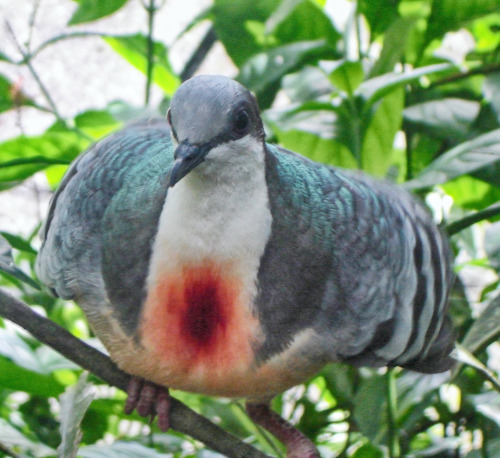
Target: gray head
[{"x": 208, "y": 111}]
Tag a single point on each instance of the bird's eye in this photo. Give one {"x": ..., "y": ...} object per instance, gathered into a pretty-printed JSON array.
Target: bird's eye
[{"x": 241, "y": 122}]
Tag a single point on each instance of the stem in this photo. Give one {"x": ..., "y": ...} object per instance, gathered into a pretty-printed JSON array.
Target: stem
[
  {"x": 491, "y": 68},
  {"x": 151, "y": 10},
  {"x": 457, "y": 226},
  {"x": 392, "y": 430},
  {"x": 199, "y": 55},
  {"x": 183, "y": 419}
]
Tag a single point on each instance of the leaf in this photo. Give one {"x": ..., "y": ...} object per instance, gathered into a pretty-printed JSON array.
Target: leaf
[
  {"x": 395, "y": 42},
  {"x": 91, "y": 10},
  {"x": 377, "y": 153},
  {"x": 284, "y": 10},
  {"x": 24, "y": 156},
  {"x": 240, "y": 43},
  {"x": 97, "y": 123},
  {"x": 7, "y": 264},
  {"x": 16, "y": 378},
  {"x": 370, "y": 405},
  {"x": 11, "y": 96},
  {"x": 464, "y": 356},
  {"x": 485, "y": 329},
  {"x": 460, "y": 160},
  {"x": 17, "y": 242},
  {"x": 13, "y": 438},
  {"x": 491, "y": 92},
  {"x": 121, "y": 449},
  {"x": 446, "y": 118},
  {"x": 449, "y": 15},
  {"x": 347, "y": 75},
  {"x": 264, "y": 70},
  {"x": 74, "y": 404},
  {"x": 380, "y": 14},
  {"x": 134, "y": 49},
  {"x": 374, "y": 89}
]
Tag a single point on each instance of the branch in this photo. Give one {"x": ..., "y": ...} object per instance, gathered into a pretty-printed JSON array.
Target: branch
[
  {"x": 199, "y": 55},
  {"x": 183, "y": 419},
  {"x": 457, "y": 226},
  {"x": 484, "y": 70}
]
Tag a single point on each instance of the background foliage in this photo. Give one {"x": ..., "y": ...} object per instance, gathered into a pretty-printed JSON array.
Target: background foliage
[{"x": 392, "y": 90}]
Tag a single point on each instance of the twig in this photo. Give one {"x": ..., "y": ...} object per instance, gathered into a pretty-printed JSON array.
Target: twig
[
  {"x": 151, "y": 10},
  {"x": 491, "y": 68},
  {"x": 457, "y": 226},
  {"x": 392, "y": 428},
  {"x": 183, "y": 419},
  {"x": 7, "y": 451},
  {"x": 199, "y": 55}
]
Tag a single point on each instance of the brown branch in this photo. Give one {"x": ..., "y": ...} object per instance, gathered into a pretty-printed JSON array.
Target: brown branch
[
  {"x": 183, "y": 419},
  {"x": 484, "y": 70}
]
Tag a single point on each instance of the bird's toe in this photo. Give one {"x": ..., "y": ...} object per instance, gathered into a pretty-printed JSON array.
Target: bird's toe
[{"x": 149, "y": 400}]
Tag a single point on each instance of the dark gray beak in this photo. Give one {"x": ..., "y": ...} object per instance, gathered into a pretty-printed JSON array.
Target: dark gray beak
[{"x": 187, "y": 157}]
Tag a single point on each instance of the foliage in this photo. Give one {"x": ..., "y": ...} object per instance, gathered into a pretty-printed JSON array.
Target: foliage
[{"x": 385, "y": 91}]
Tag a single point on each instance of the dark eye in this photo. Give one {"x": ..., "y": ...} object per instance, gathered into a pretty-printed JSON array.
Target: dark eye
[{"x": 241, "y": 122}]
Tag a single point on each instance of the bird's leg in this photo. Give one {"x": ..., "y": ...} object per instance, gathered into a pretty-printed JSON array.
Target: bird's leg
[
  {"x": 149, "y": 400},
  {"x": 297, "y": 444}
]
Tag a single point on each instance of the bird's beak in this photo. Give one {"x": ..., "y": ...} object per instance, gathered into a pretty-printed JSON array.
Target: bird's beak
[{"x": 187, "y": 157}]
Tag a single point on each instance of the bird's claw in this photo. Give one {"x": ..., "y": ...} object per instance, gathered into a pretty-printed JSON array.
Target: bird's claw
[{"x": 149, "y": 400}]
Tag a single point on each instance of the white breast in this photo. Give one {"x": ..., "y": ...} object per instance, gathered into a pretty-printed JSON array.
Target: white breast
[{"x": 218, "y": 212}]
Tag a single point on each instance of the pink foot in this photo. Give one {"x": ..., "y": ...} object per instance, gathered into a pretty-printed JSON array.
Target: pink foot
[
  {"x": 297, "y": 444},
  {"x": 149, "y": 400}
]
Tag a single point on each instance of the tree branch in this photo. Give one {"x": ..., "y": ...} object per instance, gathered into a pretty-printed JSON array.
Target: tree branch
[{"x": 183, "y": 419}]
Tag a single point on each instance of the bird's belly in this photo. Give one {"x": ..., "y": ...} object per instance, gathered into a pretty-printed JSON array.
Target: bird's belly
[{"x": 198, "y": 330}]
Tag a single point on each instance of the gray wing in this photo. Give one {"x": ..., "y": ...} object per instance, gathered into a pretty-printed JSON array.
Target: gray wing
[
  {"x": 357, "y": 260},
  {"x": 103, "y": 220}
]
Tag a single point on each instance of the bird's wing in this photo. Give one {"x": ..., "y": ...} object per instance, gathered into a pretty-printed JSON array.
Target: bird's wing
[
  {"x": 103, "y": 219},
  {"x": 357, "y": 260}
]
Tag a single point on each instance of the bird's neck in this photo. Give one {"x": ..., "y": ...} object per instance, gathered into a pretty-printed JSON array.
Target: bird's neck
[{"x": 218, "y": 213}]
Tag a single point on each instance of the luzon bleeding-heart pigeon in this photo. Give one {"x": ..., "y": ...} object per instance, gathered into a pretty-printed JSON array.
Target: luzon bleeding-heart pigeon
[{"x": 209, "y": 261}]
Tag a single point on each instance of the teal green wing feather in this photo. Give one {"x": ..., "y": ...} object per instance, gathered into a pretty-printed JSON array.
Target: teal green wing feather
[
  {"x": 357, "y": 260},
  {"x": 106, "y": 211}
]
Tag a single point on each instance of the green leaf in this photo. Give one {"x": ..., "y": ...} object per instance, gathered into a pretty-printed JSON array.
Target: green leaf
[
  {"x": 97, "y": 123},
  {"x": 17, "y": 242},
  {"x": 13, "y": 438},
  {"x": 446, "y": 118},
  {"x": 240, "y": 43},
  {"x": 370, "y": 405},
  {"x": 380, "y": 14},
  {"x": 91, "y": 10},
  {"x": 120, "y": 449},
  {"x": 7, "y": 264},
  {"x": 377, "y": 153},
  {"x": 449, "y": 15},
  {"x": 492, "y": 244},
  {"x": 74, "y": 404},
  {"x": 24, "y": 156},
  {"x": 134, "y": 49},
  {"x": 395, "y": 42},
  {"x": 16, "y": 378},
  {"x": 263, "y": 71},
  {"x": 491, "y": 92},
  {"x": 485, "y": 330},
  {"x": 464, "y": 158},
  {"x": 284, "y": 10},
  {"x": 374, "y": 89},
  {"x": 10, "y": 95},
  {"x": 347, "y": 75}
]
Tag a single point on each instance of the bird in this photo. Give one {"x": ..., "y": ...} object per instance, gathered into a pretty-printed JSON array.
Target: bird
[{"x": 210, "y": 261}]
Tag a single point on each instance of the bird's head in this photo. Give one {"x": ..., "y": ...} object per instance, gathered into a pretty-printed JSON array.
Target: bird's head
[{"x": 212, "y": 117}]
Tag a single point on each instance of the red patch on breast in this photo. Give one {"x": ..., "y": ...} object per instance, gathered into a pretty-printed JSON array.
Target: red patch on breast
[
  {"x": 198, "y": 318},
  {"x": 206, "y": 309}
]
